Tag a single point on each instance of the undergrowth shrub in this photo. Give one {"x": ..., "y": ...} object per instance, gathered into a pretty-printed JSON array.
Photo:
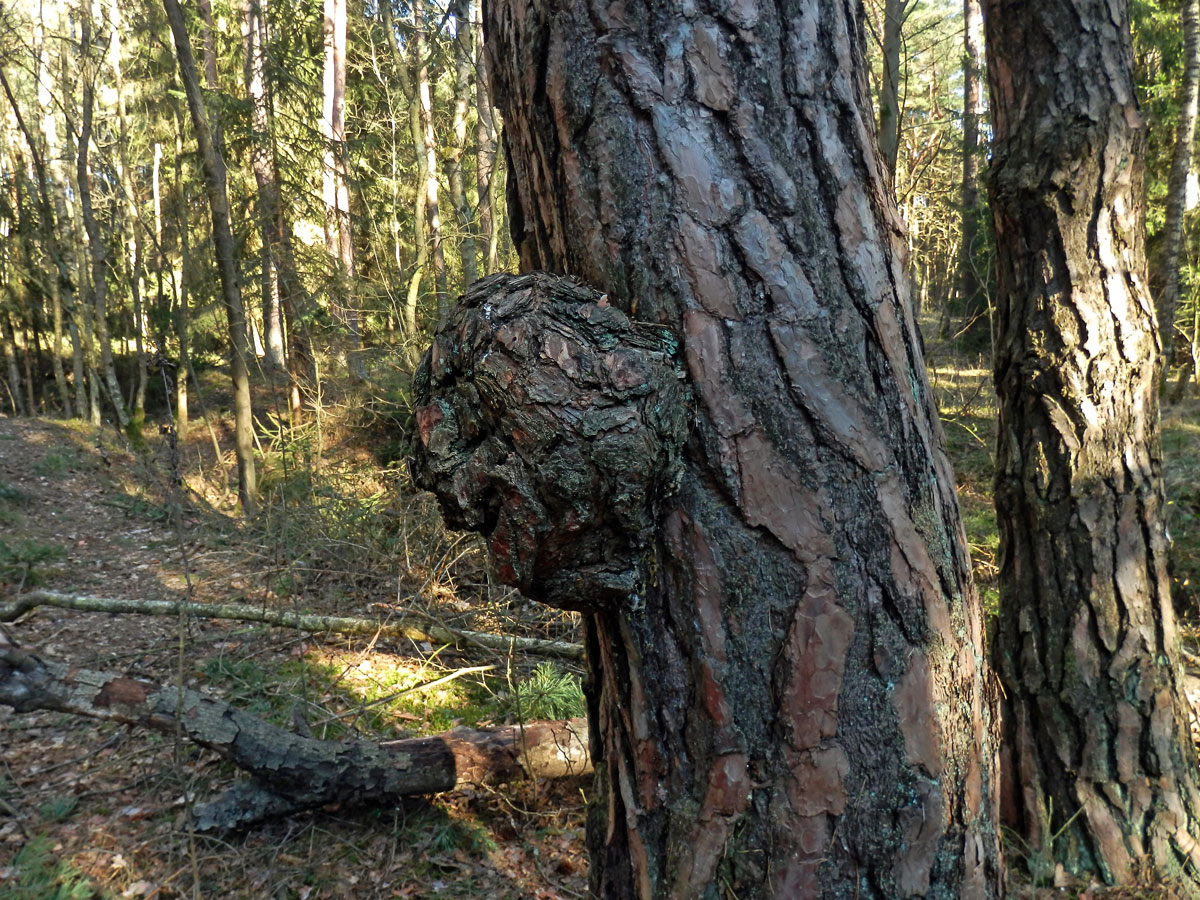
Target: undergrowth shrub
[
  {"x": 548, "y": 693},
  {"x": 38, "y": 875}
]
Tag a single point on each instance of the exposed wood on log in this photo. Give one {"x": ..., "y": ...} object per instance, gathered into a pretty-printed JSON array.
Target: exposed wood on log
[
  {"x": 244, "y": 612},
  {"x": 291, "y": 771}
]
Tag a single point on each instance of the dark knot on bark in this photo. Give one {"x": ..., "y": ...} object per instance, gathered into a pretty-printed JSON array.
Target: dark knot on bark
[{"x": 551, "y": 423}]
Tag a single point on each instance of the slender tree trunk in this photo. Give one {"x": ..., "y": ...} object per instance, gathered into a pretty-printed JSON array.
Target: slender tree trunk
[
  {"x": 1181, "y": 165},
  {"x": 27, "y": 288},
  {"x": 43, "y": 140},
  {"x": 215, "y": 186},
  {"x": 408, "y": 80},
  {"x": 180, "y": 305},
  {"x": 485, "y": 161},
  {"x": 85, "y": 309},
  {"x": 286, "y": 297},
  {"x": 156, "y": 197},
  {"x": 30, "y": 347},
  {"x": 788, "y": 698},
  {"x": 9, "y": 339},
  {"x": 894, "y": 13},
  {"x": 253, "y": 34},
  {"x": 87, "y": 381},
  {"x": 420, "y": 228},
  {"x": 133, "y": 242},
  {"x": 64, "y": 212},
  {"x": 429, "y": 148},
  {"x": 463, "y": 47},
  {"x": 96, "y": 245},
  {"x": 338, "y": 236},
  {"x": 329, "y": 114},
  {"x": 49, "y": 238},
  {"x": 1099, "y": 769},
  {"x": 974, "y": 305}
]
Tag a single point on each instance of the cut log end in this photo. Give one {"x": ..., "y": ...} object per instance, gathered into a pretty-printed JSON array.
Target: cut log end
[{"x": 551, "y": 423}]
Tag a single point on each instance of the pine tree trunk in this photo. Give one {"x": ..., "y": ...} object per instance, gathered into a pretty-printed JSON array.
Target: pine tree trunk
[
  {"x": 338, "y": 238},
  {"x": 180, "y": 310},
  {"x": 132, "y": 222},
  {"x": 1096, "y": 737},
  {"x": 1181, "y": 165},
  {"x": 463, "y": 47},
  {"x": 894, "y": 13},
  {"x": 974, "y": 304},
  {"x": 788, "y": 697},
  {"x": 96, "y": 245},
  {"x": 485, "y": 161},
  {"x": 226, "y": 252},
  {"x": 9, "y": 340},
  {"x": 432, "y": 213},
  {"x": 289, "y": 299},
  {"x": 407, "y": 71},
  {"x": 46, "y": 225},
  {"x": 58, "y": 180},
  {"x": 253, "y": 38},
  {"x": 55, "y": 267}
]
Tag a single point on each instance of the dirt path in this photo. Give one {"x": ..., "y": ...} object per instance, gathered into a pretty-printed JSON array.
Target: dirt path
[{"x": 104, "y": 808}]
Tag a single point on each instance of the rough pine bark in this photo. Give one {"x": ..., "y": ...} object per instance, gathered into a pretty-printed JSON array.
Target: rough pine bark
[
  {"x": 1096, "y": 736},
  {"x": 787, "y": 687}
]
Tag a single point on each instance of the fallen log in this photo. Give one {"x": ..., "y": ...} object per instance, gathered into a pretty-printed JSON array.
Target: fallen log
[
  {"x": 245, "y": 612},
  {"x": 290, "y": 771}
]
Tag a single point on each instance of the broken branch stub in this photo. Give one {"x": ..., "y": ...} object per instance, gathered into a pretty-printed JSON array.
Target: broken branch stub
[{"x": 552, "y": 424}]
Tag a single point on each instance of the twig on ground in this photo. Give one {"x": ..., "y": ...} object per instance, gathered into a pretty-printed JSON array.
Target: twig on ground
[{"x": 244, "y": 612}]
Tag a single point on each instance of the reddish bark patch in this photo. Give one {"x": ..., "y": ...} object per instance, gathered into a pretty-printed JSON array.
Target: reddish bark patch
[{"x": 121, "y": 691}]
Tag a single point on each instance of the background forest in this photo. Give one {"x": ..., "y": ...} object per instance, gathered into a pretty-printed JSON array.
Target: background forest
[{"x": 226, "y": 233}]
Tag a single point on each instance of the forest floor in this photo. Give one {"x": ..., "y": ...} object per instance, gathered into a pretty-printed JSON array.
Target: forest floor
[{"x": 93, "y": 810}]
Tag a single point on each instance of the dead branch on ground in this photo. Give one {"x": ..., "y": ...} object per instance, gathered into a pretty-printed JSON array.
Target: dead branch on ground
[
  {"x": 291, "y": 772},
  {"x": 245, "y": 612}
]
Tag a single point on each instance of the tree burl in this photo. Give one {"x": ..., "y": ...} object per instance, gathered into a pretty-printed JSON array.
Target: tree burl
[{"x": 553, "y": 424}]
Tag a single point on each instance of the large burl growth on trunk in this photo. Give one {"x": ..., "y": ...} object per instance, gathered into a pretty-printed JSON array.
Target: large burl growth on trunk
[{"x": 550, "y": 422}]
